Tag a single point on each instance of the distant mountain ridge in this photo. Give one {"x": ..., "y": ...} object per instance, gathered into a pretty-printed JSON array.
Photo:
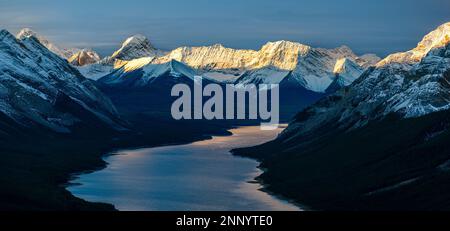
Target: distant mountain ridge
[
  {"x": 301, "y": 71},
  {"x": 84, "y": 57},
  {"x": 304, "y": 74},
  {"x": 314, "y": 68}
]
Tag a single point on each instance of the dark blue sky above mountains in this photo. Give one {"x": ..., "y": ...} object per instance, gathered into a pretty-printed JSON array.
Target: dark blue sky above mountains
[{"x": 377, "y": 26}]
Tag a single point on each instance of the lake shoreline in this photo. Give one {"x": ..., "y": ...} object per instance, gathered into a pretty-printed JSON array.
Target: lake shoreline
[
  {"x": 47, "y": 161},
  {"x": 101, "y": 164},
  {"x": 254, "y": 179},
  {"x": 265, "y": 187}
]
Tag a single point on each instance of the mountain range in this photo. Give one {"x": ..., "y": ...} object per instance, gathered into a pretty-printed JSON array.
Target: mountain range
[
  {"x": 312, "y": 68},
  {"x": 217, "y": 62},
  {"x": 367, "y": 133},
  {"x": 378, "y": 144},
  {"x": 305, "y": 74}
]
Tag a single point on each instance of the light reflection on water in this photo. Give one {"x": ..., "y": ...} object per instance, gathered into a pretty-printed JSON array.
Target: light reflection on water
[{"x": 198, "y": 176}]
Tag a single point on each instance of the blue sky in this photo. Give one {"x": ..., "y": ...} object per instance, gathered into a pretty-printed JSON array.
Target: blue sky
[{"x": 377, "y": 26}]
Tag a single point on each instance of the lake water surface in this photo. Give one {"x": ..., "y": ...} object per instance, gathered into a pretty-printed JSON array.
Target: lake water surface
[{"x": 198, "y": 176}]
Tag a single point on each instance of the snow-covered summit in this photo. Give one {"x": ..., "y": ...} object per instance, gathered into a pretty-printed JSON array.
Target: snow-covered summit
[
  {"x": 435, "y": 39},
  {"x": 39, "y": 89},
  {"x": 26, "y": 32},
  {"x": 62, "y": 52},
  {"x": 136, "y": 51},
  {"x": 84, "y": 57},
  {"x": 136, "y": 46},
  {"x": 215, "y": 57}
]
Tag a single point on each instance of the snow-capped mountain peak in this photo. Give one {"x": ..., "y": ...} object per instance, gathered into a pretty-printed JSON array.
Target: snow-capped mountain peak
[
  {"x": 344, "y": 50},
  {"x": 215, "y": 57},
  {"x": 84, "y": 57},
  {"x": 136, "y": 46},
  {"x": 26, "y": 32},
  {"x": 435, "y": 39},
  {"x": 136, "y": 39},
  {"x": 62, "y": 52},
  {"x": 280, "y": 54},
  {"x": 40, "y": 89},
  {"x": 134, "y": 53}
]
